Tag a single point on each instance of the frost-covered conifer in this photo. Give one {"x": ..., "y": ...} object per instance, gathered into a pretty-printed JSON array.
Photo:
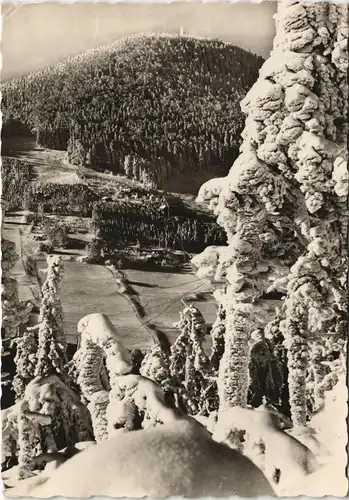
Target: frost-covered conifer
[
  {"x": 156, "y": 366},
  {"x": 189, "y": 365},
  {"x": 217, "y": 336},
  {"x": 283, "y": 202},
  {"x": 14, "y": 312},
  {"x": 51, "y": 356},
  {"x": 48, "y": 415},
  {"x": 26, "y": 360}
]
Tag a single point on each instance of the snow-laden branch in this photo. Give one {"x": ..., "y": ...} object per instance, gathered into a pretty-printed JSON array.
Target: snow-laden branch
[{"x": 130, "y": 398}]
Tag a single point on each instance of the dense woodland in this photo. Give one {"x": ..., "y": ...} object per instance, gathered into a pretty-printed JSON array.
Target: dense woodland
[
  {"x": 63, "y": 199},
  {"x": 16, "y": 176},
  {"x": 23, "y": 193},
  {"x": 145, "y": 106},
  {"x": 150, "y": 223}
]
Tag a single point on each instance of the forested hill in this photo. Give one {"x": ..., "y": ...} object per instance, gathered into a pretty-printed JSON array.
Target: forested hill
[{"x": 149, "y": 106}]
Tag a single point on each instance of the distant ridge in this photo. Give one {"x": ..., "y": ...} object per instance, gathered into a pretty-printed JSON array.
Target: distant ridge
[{"x": 153, "y": 106}]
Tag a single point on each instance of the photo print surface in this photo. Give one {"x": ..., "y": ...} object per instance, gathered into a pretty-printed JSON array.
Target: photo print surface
[{"x": 174, "y": 249}]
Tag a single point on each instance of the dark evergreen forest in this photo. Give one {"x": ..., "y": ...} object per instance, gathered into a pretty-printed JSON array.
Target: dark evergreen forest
[
  {"x": 153, "y": 223},
  {"x": 146, "y": 106}
]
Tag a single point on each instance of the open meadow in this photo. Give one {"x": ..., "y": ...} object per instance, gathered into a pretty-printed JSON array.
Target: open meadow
[{"x": 90, "y": 288}]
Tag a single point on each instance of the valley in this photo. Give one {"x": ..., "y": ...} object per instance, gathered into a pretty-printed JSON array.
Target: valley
[{"x": 90, "y": 287}]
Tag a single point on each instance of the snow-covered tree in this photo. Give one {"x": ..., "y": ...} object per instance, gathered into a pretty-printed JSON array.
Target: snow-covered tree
[
  {"x": 190, "y": 367},
  {"x": 283, "y": 203},
  {"x": 52, "y": 345},
  {"x": 48, "y": 417},
  {"x": 48, "y": 414},
  {"x": 14, "y": 312},
  {"x": 100, "y": 342},
  {"x": 156, "y": 367},
  {"x": 26, "y": 360},
  {"x": 125, "y": 400}
]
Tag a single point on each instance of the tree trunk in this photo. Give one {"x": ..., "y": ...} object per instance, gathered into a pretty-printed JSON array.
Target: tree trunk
[{"x": 233, "y": 379}]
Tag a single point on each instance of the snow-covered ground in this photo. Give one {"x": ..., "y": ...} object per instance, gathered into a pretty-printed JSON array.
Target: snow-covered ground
[{"x": 326, "y": 437}]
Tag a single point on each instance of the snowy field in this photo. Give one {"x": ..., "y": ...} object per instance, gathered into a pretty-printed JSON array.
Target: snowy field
[
  {"x": 90, "y": 288},
  {"x": 161, "y": 296}
]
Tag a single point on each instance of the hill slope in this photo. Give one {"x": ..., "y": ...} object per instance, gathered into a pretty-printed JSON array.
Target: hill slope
[{"x": 147, "y": 106}]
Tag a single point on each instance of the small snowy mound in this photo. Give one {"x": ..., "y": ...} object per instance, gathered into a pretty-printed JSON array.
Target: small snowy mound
[
  {"x": 311, "y": 461},
  {"x": 331, "y": 430}
]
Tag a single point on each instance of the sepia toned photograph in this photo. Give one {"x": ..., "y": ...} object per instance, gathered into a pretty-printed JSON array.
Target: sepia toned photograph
[{"x": 174, "y": 230}]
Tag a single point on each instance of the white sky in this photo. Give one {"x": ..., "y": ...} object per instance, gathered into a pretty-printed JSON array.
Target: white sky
[{"x": 36, "y": 35}]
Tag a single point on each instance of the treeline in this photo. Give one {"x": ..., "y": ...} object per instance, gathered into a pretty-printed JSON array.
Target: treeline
[
  {"x": 62, "y": 199},
  {"x": 149, "y": 223},
  {"x": 21, "y": 194},
  {"x": 144, "y": 106},
  {"x": 15, "y": 177}
]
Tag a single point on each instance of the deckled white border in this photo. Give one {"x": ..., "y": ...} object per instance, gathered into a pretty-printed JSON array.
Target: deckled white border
[{"x": 20, "y": 2}]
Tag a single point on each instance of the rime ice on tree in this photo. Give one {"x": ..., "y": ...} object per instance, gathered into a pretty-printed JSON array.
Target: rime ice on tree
[
  {"x": 283, "y": 201},
  {"x": 52, "y": 344}
]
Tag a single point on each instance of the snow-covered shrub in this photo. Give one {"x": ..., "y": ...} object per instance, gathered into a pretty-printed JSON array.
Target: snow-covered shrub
[{"x": 56, "y": 234}]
